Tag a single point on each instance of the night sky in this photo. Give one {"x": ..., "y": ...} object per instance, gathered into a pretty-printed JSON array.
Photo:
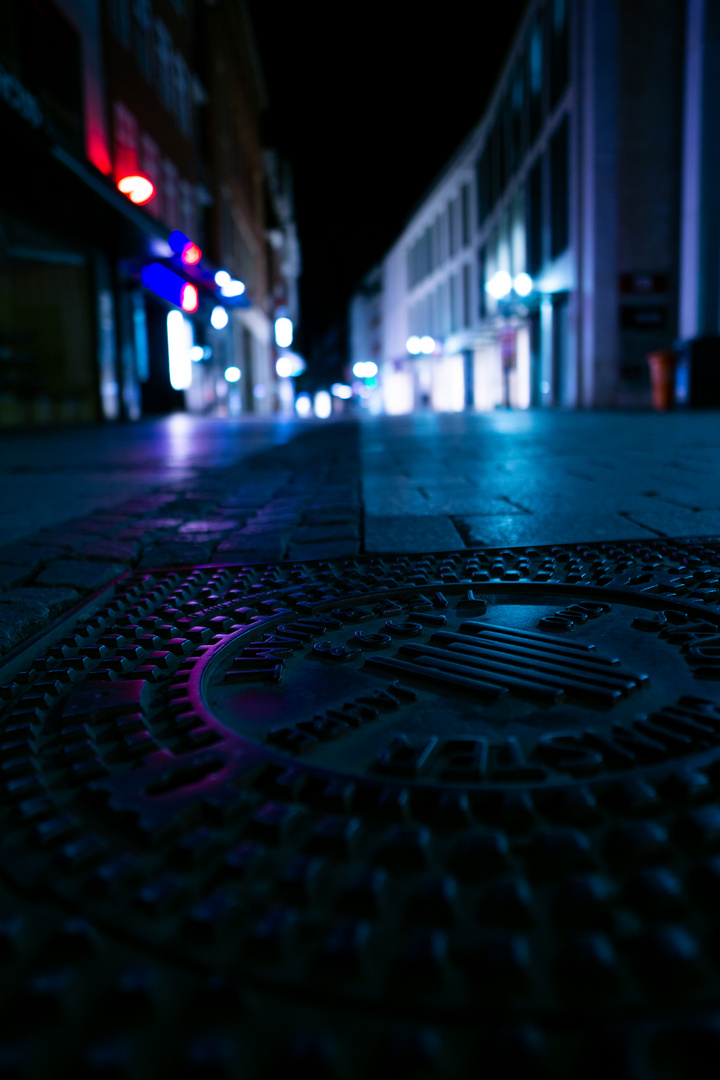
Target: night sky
[{"x": 369, "y": 112}]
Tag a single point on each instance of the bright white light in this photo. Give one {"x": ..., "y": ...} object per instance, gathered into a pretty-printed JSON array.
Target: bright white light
[
  {"x": 413, "y": 344},
  {"x": 179, "y": 334},
  {"x": 232, "y": 288},
  {"x": 219, "y": 318},
  {"x": 340, "y": 390},
  {"x": 303, "y": 404},
  {"x": 523, "y": 284},
  {"x": 322, "y": 405},
  {"x": 289, "y": 365},
  {"x": 365, "y": 369},
  {"x": 283, "y": 332},
  {"x": 232, "y": 374},
  {"x": 197, "y": 353},
  {"x": 499, "y": 284},
  {"x": 427, "y": 345},
  {"x": 260, "y": 391},
  {"x": 222, "y": 278}
]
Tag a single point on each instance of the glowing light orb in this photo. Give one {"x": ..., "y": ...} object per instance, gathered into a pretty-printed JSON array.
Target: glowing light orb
[
  {"x": 523, "y": 284},
  {"x": 232, "y": 374},
  {"x": 413, "y": 345},
  {"x": 138, "y": 189},
  {"x": 219, "y": 318},
  {"x": 191, "y": 254},
  {"x": 283, "y": 332},
  {"x": 365, "y": 369},
  {"x": 189, "y": 298}
]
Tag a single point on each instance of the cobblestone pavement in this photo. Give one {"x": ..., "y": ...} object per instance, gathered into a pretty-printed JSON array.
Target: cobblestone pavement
[{"x": 80, "y": 507}]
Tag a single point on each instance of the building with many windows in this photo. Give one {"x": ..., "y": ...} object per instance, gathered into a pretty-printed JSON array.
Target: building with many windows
[{"x": 577, "y": 228}]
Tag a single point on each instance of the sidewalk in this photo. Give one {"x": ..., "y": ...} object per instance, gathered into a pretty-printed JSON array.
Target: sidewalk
[{"x": 80, "y": 507}]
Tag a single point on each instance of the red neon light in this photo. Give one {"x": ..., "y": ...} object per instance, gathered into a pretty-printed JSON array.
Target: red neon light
[
  {"x": 138, "y": 189},
  {"x": 189, "y": 298},
  {"x": 191, "y": 254}
]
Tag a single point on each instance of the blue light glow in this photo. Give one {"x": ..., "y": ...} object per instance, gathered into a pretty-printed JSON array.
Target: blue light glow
[
  {"x": 177, "y": 241},
  {"x": 163, "y": 282}
]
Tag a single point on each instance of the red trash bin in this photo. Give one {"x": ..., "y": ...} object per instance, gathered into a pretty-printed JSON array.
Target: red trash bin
[{"x": 662, "y": 378}]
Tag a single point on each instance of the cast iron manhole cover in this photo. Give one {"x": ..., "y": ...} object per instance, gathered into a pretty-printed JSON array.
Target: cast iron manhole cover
[{"x": 409, "y": 813}]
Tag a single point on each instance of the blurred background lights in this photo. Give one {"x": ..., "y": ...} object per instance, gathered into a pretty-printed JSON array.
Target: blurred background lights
[
  {"x": 427, "y": 345},
  {"x": 232, "y": 288},
  {"x": 341, "y": 390},
  {"x": 138, "y": 189},
  {"x": 260, "y": 391},
  {"x": 289, "y": 365},
  {"x": 523, "y": 284},
  {"x": 232, "y": 374},
  {"x": 180, "y": 342},
  {"x": 197, "y": 353},
  {"x": 191, "y": 254},
  {"x": 189, "y": 298},
  {"x": 413, "y": 344},
  {"x": 219, "y": 318},
  {"x": 365, "y": 369},
  {"x": 178, "y": 240},
  {"x": 499, "y": 284},
  {"x": 303, "y": 404},
  {"x": 283, "y": 332},
  {"x": 322, "y": 405},
  {"x": 222, "y": 278}
]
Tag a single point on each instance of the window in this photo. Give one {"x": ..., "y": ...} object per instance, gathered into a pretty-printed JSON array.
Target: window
[
  {"x": 452, "y": 226},
  {"x": 182, "y": 94},
  {"x": 559, "y": 189},
  {"x": 119, "y": 18},
  {"x": 466, "y": 286},
  {"x": 126, "y": 141},
  {"x": 187, "y": 208},
  {"x": 533, "y": 209},
  {"x": 454, "y": 320},
  {"x": 482, "y": 305},
  {"x": 143, "y": 36},
  {"x": 436, "y": 244},
  {"x": 482, "y": 173},
  {"x": 165, "y": 71},
  {"x": 559, "y": 41},
  {"x": 151, "y": 165},
  {"x": 535, "y": 75},
  {"x": 517, "y": 126},
  {"x": 170, "y": 195},
  {"x": 465, "y": 213}
]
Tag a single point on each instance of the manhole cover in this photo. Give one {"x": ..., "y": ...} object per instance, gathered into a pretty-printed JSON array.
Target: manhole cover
[{"x": 412, "y": 790}]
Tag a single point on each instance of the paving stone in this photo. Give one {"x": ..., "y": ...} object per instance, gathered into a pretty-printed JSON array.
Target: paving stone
[
  {"x": 568, "y": 528},
  {"x": 85, "y": 576},
  {"x": 13, "y": 575},
  {"x": 167, "y": 554},
  {"x": 60, "y": 538},
  {"x": 332, "y": 515},
  {"x": 23, "y": 611},
  {"x": 408, "y": 534},
  {"x": 116, "y": 550},
  {"x": 314, "y": 534},
  {"x": 679, "y": 521},
  {"x": 248, "y": 541},
  {"x": 28, "y": 555},
  {"x": 208, "y": 526},
  {"x": 329, "y": 549}
]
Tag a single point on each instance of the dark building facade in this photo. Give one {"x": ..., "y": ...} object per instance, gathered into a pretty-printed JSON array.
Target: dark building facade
[{"x": 91, "y": 93}]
